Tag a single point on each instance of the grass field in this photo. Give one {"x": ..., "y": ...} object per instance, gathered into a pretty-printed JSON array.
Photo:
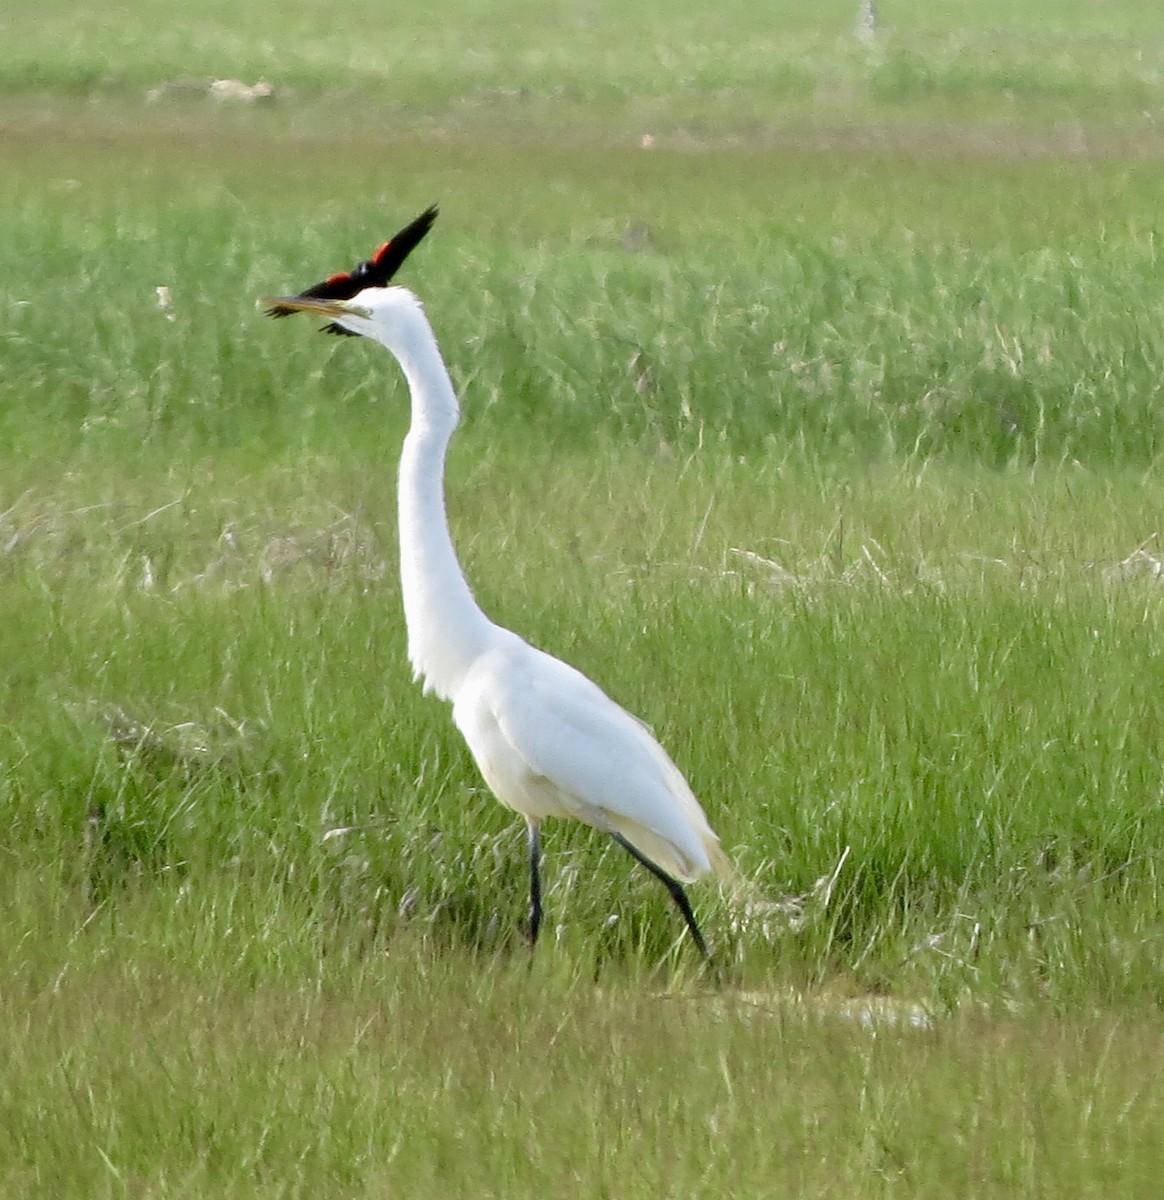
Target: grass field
[{"x": 812, "y": 402}]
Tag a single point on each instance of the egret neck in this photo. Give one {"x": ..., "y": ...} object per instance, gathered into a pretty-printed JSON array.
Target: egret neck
[{"x": 447, "y": 630}]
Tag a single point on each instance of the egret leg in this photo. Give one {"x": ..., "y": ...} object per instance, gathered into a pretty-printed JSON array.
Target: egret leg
[
  {"x": 535, "y": 883},
  {"x": 678, "y": 894}
]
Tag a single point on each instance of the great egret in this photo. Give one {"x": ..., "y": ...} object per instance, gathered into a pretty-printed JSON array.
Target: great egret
[{"x": 548, "y": 741}]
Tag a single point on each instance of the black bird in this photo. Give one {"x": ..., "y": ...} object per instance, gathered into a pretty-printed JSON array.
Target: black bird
[{"x": 372, "y": 272}]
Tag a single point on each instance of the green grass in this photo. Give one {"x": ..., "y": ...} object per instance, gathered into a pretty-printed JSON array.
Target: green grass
[
  {"x": 610, "y": 70},
  {"x": 254, "y": 1075},
  {"x": 827, "y": 439}
]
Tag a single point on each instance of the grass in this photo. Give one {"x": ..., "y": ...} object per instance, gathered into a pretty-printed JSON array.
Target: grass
[
  {"x": 411, "y": 1072},
  {"x": 602, "y": 68},
  {"x": 827, "y": 440}
]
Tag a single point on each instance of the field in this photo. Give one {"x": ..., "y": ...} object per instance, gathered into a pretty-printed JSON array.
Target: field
[{"x": 812, "y": 404}]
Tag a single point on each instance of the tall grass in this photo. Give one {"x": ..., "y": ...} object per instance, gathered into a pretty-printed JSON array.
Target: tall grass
[
  {"x": 847, "y": 479},
  {"x": 985, "y": 312},
  {"x": 838, "y": 468}
]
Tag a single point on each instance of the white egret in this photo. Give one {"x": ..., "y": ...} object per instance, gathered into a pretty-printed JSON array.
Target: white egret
[{"x": 548, "y": 741}]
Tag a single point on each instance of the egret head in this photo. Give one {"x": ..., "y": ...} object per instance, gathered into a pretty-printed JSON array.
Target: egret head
[{"x": 384, "y": 314}]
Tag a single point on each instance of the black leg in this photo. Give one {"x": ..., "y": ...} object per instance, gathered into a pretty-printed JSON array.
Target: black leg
[
  {"x": 673, "y": 886},
  {"x": 535, "y": 883}
]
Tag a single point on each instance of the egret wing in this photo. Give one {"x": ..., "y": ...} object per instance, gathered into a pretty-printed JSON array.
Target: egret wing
[{"x": 554, "y": 741}]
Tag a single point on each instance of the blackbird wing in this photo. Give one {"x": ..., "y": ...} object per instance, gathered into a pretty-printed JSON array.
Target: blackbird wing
[{"x": 376, "y": 271}]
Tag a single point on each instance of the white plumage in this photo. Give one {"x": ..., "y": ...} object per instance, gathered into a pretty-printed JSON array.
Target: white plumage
[{"x": 548, "y": 741}]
